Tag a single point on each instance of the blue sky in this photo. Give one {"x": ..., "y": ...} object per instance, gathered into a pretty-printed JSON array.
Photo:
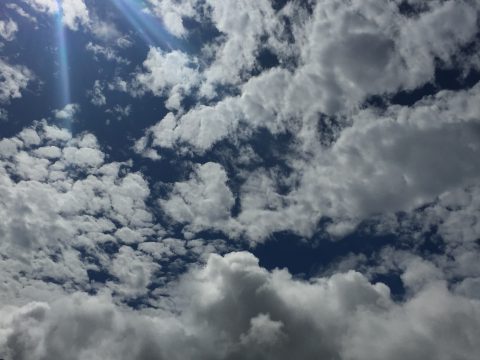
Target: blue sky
[{"x": 221, "y": 179}]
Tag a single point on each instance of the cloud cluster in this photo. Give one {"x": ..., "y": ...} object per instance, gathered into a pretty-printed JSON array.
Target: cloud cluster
[
  {"x": 167, "y": 73},
  {"x": 234, "y": 309},
  {"x": 346, "y": 53},
  {"x": 61, "y": 201},
  {"x": 360, "y": 162},
  {"x": 8, "y": 29},
  {"x": 13, "y": 79},
  {"x": 285, "y": 121}
]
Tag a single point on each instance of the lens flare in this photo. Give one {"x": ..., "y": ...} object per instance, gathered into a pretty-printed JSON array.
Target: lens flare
[
  {"x": 62, "y": 49},
  {"x": 147, "y": 26}
]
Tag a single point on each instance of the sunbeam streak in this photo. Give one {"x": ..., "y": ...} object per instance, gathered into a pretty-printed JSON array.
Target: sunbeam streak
[
  {"x": 62, "y": 53},
  {"x": 147, "y": 26}
]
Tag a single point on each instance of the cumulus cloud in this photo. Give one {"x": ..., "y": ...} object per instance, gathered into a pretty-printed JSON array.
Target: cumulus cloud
[
  {"x": 203, "y": 200},
  {"x": 392, "y": 53},
  {"x": 233, "y": 308},
  {"x": 173, "y": 74},
  {"x": 13, "y": 79},
  {"x": 105, "y": 259},
  {"x": 374, "y": 166},
  {"x": 357, "y": 168},
  {"x": 65, "y": 203},
  {"x": 68, "y": 112},
  {"x": 74, "y": 12},
  {"x": 49, "y": 6},
  {"x": 173, "y": 12},
  {"x": 97, "y": 97},
  {"x": 8, "y": 29}
]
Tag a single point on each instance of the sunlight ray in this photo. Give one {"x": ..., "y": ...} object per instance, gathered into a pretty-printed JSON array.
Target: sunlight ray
[{"x": 147, "y": 26}]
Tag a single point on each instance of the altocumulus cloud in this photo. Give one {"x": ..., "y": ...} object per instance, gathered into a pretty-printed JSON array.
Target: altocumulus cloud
[{"x": 327, "y": 121}]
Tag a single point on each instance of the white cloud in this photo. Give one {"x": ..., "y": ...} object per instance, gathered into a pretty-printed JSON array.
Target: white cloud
[
  {"x": 68, "y": 112},
  {"x": 173, "y": 74},
  {"x": 203, "y": 201},
  {"x": 358, "y": 169},
  {"x": 232, "y": 308},
  {"x": 376, "y": 166},
  {"x": 88, "y": 270},
  {"x": 75, "y": 13},
  {"x": 345, "y": 55},
  {"x": 172, "y": 12},
  {"x": 106, "y": 52},
  {"x": 8, "y": 29},
  {"x": 65, "y": 197},
  {"x": 134, "y": 270},
  {"x": 20, "y": 11},
  {"x": 13, "y": 79},
  {"x": 97, "y": 97},
  {"x": 49, "y": 6}
]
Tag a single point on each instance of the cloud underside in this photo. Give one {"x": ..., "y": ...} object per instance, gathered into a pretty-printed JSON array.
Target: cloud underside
[
  {"x": 101, "y": 260},
  {"x": 235, "y": 309}
]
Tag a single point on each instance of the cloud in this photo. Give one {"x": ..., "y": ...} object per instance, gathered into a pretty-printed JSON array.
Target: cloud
[
  {"x": 75, "y": 13},
  {"x": 202, "y": 201},
  {"x": 13, "y": 79},
  {"x": 97, "y": 97},
  {"x": 233, "y": 308},
  {"x": 60, "y": 202},
  {"x": 8, "y": 29},
  {"x": 373, "y": 167},
  {"x": 49, "y": 6},
  {"x": 105, "y": 52},
  {"x": 173, "y": 12},
  {"x": 392, "y": 53},
  {"x": 68, "y": 112},
  {"x": 120, "y": 112},
  {"x": 357, "y": 168},
  {"x": 173, "y": 74},
  {"x": 20, "y": 11},
  {"x": 106, "y": 259}
]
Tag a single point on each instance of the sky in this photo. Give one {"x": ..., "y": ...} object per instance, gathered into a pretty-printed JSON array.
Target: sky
[{"x": 234, "y": 179}]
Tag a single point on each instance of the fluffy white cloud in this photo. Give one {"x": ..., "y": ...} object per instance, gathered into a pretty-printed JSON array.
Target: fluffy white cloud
[
  {"x": 94, "y": 265},
  {"x": 203, "y": 201},
  {"x": 345, "y": 54},
  {"x": 68, "y": 112},
  {"x": 374, "y": 166},
  {"x": 172, "y": 13},
  {"x": 232, "y": 308},
  {"x": 49, "y": 6},
  {"x": 97, "y": 97},
  {"x": 75, "y": 13},
  {"x": 13, "y": 79},
  {"x": 173, "y": 74},
  {"x": 8, "y": 29},
  {"x": 377, "y": 166},
  {"x": 62, "y": 201}
]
